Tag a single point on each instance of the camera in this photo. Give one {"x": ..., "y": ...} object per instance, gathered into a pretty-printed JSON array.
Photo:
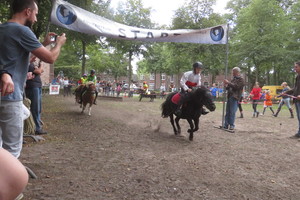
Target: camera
[{"x": 53, "y": 38}]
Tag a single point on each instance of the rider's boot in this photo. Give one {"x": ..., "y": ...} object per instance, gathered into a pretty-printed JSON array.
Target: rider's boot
[
  {"x": 178, "y": 111},
  {"x": 204, "y": 111}
]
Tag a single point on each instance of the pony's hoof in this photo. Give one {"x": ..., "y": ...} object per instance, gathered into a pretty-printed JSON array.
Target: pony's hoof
[
  {"x": 191, "y": 138},
  {"x": 189, "y": 130}
]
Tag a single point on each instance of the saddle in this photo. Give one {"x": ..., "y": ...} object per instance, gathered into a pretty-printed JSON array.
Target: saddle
[{"x": 176, "y": 98}]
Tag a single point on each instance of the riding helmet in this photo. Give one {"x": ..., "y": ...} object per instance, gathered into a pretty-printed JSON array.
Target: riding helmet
[
  {"x": 198, "y": 65},
  {"x": 93, "y": 71},
  {"x": 84, "y": 75}
]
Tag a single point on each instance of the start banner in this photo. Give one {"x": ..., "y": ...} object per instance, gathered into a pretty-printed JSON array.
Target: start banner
[{"x": 74, "y": 18}]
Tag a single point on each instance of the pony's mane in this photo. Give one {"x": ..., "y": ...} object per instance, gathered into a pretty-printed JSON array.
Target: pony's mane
[{"x": 89, "y": 83}]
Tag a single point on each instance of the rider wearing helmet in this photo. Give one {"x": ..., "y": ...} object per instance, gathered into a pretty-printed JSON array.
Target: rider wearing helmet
[
  {"x": 189, "y": 80},
  {"x": 145, "y": 87},
  {"x": 83, "y": 79},
  {"x": 92, "y": 77}
]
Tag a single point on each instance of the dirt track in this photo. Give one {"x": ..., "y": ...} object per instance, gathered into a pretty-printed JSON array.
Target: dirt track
[{"x": 126, "y": 151}]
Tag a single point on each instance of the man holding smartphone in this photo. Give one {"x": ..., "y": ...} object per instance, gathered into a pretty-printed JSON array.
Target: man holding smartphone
[{"x": 17, "y": 41}]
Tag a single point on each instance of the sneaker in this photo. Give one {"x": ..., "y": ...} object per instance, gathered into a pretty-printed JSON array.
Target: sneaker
[
  {"x": 223, "y": 127},
  {"x": 296, "y": 136},
  {"x": 231, "y": 128},
  {"x": 41, "y": 132},
  {"x": 19, "y": 197}
]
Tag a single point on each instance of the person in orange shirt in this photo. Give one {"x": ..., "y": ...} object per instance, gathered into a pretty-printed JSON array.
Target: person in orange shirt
[{"x": 268, "y": 102}]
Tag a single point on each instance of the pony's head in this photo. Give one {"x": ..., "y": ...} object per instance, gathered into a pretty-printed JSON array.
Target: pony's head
[
  {"x": 203, "y": 96},
  {"x": 91, "y": 86}
]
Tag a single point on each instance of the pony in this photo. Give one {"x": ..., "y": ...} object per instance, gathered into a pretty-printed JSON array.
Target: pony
[
  {"x": 88, "y": 96},
  {"x": 151, "y": 95},
  {"x": 191, "y": 110}
]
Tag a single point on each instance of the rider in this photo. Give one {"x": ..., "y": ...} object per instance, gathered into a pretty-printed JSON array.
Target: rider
[
  {"x": 189, "y": 80},
  {"x": 145, "y": 87},
  {"x": 83, "y": 79},
  {"x": 92, "y": 77}
]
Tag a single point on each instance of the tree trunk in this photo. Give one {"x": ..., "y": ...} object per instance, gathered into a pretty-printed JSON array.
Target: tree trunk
[
  {"x": 129, "y": 68},
  {"x": 83, "y": 69}
]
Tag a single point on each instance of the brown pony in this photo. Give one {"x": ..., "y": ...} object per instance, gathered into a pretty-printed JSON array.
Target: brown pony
[{"x": 88, "y": 96}]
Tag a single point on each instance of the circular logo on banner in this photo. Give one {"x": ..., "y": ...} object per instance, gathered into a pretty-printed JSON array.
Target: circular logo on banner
[
  {"x": 65, "y": 15},
  {"x": 217, "y": 33}
]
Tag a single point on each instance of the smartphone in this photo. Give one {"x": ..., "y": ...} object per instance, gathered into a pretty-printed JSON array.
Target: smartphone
[{"x": 53, "y": 38}]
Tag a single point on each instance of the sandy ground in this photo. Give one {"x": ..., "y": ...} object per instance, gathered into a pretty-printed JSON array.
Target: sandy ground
[{"x": 125, "y": 150}]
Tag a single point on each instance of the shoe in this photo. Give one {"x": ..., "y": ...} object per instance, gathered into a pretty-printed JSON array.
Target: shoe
[
  {"x": 223, "y": 127},
  {"x": 204, "y": 112},
  {"x": 19, "y": 197},
  {"x": 231, "y": 128},
  {"x": 41, "y": 132},
  {"x": 257, "y": 113},
  {"x": 296, "y": 136}
]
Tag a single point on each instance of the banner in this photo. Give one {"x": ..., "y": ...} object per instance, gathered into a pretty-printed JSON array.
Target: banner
[
  {"x": 54, "y": 89},
  {"x": 74, "y": 18}
]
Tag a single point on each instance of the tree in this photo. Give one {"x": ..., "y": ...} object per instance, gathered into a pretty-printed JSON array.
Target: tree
[
  {"x": 132, "y": 13},
  {"x": 260, "y": 38}
]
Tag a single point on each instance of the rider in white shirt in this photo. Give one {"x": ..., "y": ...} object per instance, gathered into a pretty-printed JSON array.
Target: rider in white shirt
[{"x": 189, "y": 80}]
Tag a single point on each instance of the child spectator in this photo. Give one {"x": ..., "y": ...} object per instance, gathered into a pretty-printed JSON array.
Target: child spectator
[{"x": 267, "y": 102}]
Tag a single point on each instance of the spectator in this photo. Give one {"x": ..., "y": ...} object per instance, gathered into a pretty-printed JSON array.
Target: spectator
[
  {"x": 255, "y": 94},
  {"x": 66, "y": 86},
  {"x": 285, "y": 100},
  {"x": 118, "y": 89},
  {"x": 14, "y": 56},
  {"x": 214, "y": 91},
  {"x": 13, "y": 176},
  {"x": 240, "y": 105},
  {"x": 296, "y": 95},
  {"x": 235, "y": 89},
  {"x": 268, "y": 102},
  {"x": 33, "y": 92}
]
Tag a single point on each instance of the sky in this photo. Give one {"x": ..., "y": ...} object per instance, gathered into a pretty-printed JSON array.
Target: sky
[{"x": 163, "y": 10}]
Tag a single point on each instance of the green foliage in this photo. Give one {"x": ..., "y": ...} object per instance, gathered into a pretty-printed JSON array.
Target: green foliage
[{"x": 71, "y": 71}]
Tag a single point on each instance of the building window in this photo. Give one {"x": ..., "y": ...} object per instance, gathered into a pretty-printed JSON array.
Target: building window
[
  {"x": 172, "y": 78},
  {"x": 142, "y": 77},
  {"x": 151, "y": 86},
  {"x": 163, "y": 76},
  {"x": 152, "y": 76}
]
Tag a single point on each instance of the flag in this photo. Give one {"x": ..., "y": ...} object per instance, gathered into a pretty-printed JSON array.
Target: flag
[{"x": 74, "y": 18}]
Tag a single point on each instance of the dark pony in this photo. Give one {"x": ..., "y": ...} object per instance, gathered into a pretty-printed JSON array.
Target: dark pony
[
  {"x": 88, "y": 95},
  {"x": 191, "y": 110}
]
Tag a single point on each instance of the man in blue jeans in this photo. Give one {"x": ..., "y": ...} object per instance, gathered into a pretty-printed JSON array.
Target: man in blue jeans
[
  {"x": 17, "y": 41},
  {"x": 234, "y": 89},
  {"x": 34, "y": 93},
  {"x": 296, "y": 93}
]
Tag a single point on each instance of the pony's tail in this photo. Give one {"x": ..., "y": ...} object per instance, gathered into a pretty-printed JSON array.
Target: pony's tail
[{"x": 167, "y": 106}]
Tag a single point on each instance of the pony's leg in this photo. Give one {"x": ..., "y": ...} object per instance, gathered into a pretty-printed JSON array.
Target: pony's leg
[
  {"x": 90, "y": 108},
  {"x": 141, "y": 96},
  {"x": 196, "y": 122},
  {"x": 173, "y": 125},
  {"x": 177, "y": 124},
  {"x": 83, "y": 108},
  {"x": 191, "y": 130}
]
